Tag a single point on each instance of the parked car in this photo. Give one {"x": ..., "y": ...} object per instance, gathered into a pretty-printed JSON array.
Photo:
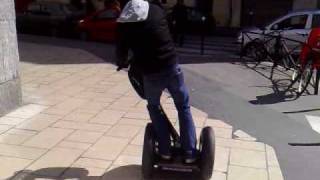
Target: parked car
[
  {"x": 49, "y": 18},
  {"x": 100, "y": 26},
  {"x": 295, "y": 25}
]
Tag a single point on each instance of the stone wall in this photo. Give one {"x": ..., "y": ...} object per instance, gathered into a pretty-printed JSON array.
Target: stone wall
[{"x": 10, "y": 90}]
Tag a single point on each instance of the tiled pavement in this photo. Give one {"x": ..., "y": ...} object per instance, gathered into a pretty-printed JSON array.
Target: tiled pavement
[{"x": 83, "y": 121}]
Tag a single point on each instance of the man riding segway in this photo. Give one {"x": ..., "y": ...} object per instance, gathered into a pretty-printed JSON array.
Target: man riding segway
[{"x": 143, "y": 30}]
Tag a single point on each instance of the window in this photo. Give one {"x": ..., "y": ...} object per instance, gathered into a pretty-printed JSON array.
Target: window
[
  {"x": 34, "y": 7},
  {"x": 316, "y": 21},
  {"x": 294, "y": 22},
  {"x": 108, "y": 14}
]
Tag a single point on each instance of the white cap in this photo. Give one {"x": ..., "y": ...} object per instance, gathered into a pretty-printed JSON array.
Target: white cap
[{"x": 134, "y": 11}]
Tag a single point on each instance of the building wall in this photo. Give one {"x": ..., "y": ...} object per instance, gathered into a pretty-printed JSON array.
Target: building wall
[
  {"x": 10, "y": 91},
  {"x": 221, "y": 12},
  {"x": 304, "y": 4}
]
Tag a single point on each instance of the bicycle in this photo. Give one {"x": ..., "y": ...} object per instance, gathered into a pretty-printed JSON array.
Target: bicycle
[{"x": 272, "y": 48}]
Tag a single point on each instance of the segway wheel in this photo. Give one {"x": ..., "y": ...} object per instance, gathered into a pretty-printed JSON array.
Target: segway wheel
[
  {"x": 207, "y": 153},
  {"x": 148, "y": 156}
]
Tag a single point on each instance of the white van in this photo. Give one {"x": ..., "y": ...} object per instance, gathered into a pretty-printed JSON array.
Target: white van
[{"x": 295, "y": 25}]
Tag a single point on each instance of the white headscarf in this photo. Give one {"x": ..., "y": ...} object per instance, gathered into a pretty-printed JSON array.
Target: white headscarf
[{"x": 134, "y": 11}]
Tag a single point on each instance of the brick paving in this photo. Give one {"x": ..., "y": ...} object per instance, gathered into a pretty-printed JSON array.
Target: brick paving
[{"x": 84, "y": 121}]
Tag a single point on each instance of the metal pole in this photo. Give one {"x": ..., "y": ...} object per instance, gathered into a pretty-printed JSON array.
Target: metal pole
[{"x": 203, "y": 19}]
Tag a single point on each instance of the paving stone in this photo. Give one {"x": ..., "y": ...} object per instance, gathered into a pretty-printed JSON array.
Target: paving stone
[
  {"x": 71, "y": 104},
  {"x": 128, "y": 160},
  {"x": 51, "y": 100},
  {"x": 10, "y": 166},
  {"x": 137, "y": 115},
  {"x": 27, "y": 111},
  {"x": 74, "y": 145},
  {"x": 71, "y": 90},
  {"x": 13, "y": 139},
  {"x": 57, "y": 111},
  {"x": 48, "y": 138},
  {"x": 275, "y": 173},
  {"x": 217, "y": 123},
  {"x": 245, "y": 173},
  {"x": 107, "y": 148},
  {"x": 221, "y": 159},
  {"x": 57, "y": 157},
  {"x": 199, "y": 121},
  {"x": 5, "y": 120},
  {"x": 125, "y": 131},
  {"x": 138, "y": 140},
  {"x": 39, "y": 122},
  {"x": 78, "y": 116},
  {"x": 22, "y": 132},
  {"x": 271, "y": 157},
  {"x": 85, "y": 136},
  {"x": 21, "y": 151},
  {"x": 4, "y": 128},
  {"x": 197, "y": 112},
  {"x": 218, "y": 176},
  {"x": 81, "y": 126},
  {"x": 133, "y": 122},
  {"x": 241, "y": 135},
  {"x": 133, "y": 150},
  {"x": 247, "y": 158},
  {"x": 223, "y": 133},
  {"x": 95, "y": 163},
  {"x": 109, "y": 117},
  {"x": 257, "y": 146},
  {"x": 94, "y": 106}
]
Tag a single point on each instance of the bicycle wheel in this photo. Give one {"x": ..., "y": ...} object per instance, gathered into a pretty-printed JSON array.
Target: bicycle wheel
[
  {"x": 305, "y": 77},
  {"x": 256, "y": 53}
]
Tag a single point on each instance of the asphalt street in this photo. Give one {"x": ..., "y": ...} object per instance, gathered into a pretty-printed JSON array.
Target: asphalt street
[{"x": 245, "y": 98}]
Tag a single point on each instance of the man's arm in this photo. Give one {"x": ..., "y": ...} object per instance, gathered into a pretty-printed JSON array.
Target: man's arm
[{"x": 122, "y": 48}]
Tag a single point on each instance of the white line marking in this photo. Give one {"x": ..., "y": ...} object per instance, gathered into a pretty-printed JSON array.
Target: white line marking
[{"x": 314, "y": 122}]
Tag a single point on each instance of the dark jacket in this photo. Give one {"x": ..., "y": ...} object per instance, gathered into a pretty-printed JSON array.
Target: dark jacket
[{"x": 150, "y": 42}]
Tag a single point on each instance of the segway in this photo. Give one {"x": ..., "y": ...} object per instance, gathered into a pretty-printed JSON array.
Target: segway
[
  {"x": 152, "y": 161},
  {"x": 150, "y": 156}
]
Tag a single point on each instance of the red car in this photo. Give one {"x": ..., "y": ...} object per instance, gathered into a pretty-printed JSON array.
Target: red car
[{"x": 100, "y": 26}]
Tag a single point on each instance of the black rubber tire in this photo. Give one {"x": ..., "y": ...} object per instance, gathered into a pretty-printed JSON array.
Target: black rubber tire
[
  {"x": 207, "y": 153},
  {"x": 306, "y": 75},
  {"x": 148, "y": 155}
]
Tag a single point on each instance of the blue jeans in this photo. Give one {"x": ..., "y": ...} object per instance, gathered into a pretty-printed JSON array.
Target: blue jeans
[{"x": 171, "y": 79}]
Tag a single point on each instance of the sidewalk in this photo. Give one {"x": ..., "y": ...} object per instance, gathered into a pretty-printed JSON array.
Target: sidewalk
[{"x": 84, "y": 121}]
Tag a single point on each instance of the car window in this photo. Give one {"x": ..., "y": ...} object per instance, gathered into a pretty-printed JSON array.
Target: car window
[
  {"x": 108, "y": 14},
  {"x": 316, "y": 21},
  {"x": 34, "y": 8},
  {"x": 294, "y": 22}
]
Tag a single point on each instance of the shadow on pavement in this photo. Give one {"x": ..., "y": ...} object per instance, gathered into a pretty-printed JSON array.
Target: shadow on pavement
[
  {"x": 129, "y": 172},
  {"x": 50, "y": 50}
]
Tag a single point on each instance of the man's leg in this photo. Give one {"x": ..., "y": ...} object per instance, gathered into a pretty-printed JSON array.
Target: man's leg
[
  {"x": 153, "y": 90},
  {"x": 180, "y": 96}
]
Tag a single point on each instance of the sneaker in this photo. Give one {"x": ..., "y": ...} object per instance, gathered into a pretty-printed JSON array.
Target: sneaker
[{"x": 190, "y": 158}]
